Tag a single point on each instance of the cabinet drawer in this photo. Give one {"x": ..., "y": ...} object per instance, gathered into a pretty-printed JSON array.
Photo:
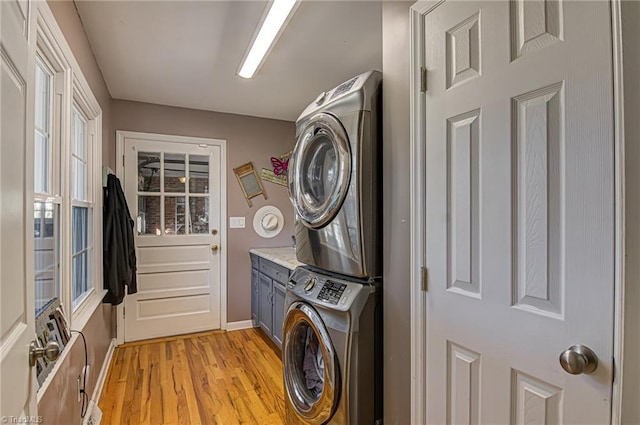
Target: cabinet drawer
[
  {"x": 255, "y": 263},
  {"x": 274, "y": 271}
]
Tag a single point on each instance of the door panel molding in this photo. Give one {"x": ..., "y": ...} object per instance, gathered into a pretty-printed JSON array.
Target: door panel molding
[
  {"x": 121, "y": 136},
  {"x": 418, "y": 194}
]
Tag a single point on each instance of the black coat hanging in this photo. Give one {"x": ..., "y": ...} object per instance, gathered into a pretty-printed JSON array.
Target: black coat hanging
[{"x": 119, "y": 258}]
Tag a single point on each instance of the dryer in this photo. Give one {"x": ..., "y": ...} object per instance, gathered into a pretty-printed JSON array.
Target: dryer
[
  {"x": 331, "y": 351},
  {"x": 335, "y": 179}
]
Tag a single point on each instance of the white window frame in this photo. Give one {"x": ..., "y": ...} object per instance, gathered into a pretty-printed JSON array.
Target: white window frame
[
  {"x": 71, "y": 88},
  {"x": 55, "y": 68},
  {"x": 85, "y": 103}
]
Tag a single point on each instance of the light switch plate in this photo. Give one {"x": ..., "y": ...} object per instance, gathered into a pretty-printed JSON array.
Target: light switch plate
[{"x": 236, "y": 222}]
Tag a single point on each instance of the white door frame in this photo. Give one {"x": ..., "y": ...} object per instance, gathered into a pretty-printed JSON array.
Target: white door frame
[
  {"x": 121, "y": 135},
  {"x": 418, "y": 296}
]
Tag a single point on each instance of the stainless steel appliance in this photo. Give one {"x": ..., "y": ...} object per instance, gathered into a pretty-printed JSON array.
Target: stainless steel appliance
[
  {"x": 331, "y": 351},
  {"x": 334, "y": 179}
]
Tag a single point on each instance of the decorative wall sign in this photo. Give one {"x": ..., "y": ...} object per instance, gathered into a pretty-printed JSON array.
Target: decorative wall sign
[
  {"x": 249, "y": 182},
  {"x": 270, "y": 176},
  {"x": 280, "y": 167}
]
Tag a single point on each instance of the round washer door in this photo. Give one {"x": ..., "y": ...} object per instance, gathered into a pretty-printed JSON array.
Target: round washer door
[
  {"x": 311, "y": 375},
  {"x": 321, "y": 170}
]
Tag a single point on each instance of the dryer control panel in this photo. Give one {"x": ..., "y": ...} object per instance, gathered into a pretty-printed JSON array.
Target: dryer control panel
[{"x": 331, "y": 292}]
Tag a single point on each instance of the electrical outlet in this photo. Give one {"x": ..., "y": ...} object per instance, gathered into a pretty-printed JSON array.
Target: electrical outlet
[{"x": 86, "y": 372}]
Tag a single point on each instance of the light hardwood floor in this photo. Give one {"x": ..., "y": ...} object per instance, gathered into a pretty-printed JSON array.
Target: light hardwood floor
[{"x": 215, "y": 377}]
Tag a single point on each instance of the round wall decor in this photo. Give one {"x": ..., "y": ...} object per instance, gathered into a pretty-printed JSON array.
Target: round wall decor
[{"x": 268, "y": 221}]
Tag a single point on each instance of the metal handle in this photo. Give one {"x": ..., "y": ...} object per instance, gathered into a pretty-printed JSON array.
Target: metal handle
[
  {"x": 579, "y": 359},
  {"x": 215, "y": 248},
  {"x": 51, "y": 351}
]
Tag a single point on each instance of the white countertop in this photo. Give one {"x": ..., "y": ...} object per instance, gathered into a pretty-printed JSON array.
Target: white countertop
[{"x": 286, "y": 256}]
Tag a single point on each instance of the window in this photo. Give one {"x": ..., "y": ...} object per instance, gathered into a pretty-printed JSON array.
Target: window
[
  {"x": 46, "y": 203},
  {"x": 82, "y": 209},
  {"x": 66, "y": 152},
  {"x": 65, "y": 182}
]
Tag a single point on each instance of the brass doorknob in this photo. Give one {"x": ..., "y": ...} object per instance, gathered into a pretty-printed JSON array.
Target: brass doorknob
[
  {"x": 579, "y": 359},
  {"x": 215, "y": 248}
]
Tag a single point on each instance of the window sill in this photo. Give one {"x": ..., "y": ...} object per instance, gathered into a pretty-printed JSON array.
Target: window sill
[
  {"x": 85, "y": 310},
  {"x": 80, "y": 319}
]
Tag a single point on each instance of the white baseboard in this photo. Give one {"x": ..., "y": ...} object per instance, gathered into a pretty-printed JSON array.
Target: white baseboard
[
  {"x": 242, "y": 324},
  {"x": 97, "y": 391}
]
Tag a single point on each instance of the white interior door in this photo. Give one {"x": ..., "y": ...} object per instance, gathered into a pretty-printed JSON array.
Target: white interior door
[
  {"x": 519, "y": 210},
  {"x": 174, "y": 194},
  {"x": 17, "y": 314}
]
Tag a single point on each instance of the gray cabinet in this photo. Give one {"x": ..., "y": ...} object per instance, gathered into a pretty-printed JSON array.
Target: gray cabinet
[
  {"x": 254, "y": 294},
  {"x": 278, "y": 312},
  {"x": 268, "y": 282},
  {"x": 265, "y": 310}
]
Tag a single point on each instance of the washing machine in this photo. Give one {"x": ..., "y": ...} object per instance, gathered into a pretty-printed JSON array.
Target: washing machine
[
  {"x": 331, "y": 350},
  {"x": 334, "y": 179}
]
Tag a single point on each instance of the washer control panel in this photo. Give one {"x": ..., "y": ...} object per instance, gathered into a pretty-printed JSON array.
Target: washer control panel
[
  {"x": 311, "y": 283},
  {"x": 326, "y": 291},
  {"x": 331, "y": 292}
]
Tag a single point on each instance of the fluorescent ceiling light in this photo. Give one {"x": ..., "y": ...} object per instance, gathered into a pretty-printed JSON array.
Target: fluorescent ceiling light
[{"x": 276, "y": 18}]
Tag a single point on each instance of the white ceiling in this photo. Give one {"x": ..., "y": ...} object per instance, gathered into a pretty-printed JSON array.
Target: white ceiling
[{"x": 187, "y": 53}]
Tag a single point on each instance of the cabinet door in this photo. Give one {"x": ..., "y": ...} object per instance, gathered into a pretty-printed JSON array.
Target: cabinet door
[
  {"x": 278, "y": 312},
  {"x": 254, "y": 295},
  {"x": 265, "y": 316}
]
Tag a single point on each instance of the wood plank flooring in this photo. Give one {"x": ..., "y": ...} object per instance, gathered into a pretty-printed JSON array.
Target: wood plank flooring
[{"x": 215, "y": 377}]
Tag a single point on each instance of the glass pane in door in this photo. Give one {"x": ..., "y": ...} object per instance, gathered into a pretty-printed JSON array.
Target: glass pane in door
[
  {"x": 174, "y": 215},
  {"x": 174, "y": 173},
  {"x": 199, "y": 214},
  {"x": 148, "y": 172},
  {"x": 198, "y": 174},
  {"x": 148, "y": 221}
]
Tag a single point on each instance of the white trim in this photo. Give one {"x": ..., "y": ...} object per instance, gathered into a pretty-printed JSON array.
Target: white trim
[
  {"x": 121, "y": 135},
  {"x": 619, "y": 281},
  {"x": 417, "y": 153},
  {"x": 242, "y": 324},
  {"x": 418, "y": 305},
  {"x": 97, "y": 391}
]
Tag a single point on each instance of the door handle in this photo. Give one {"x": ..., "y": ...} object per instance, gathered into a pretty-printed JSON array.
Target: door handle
[
  {"x": 214, "y": 248},
  {"x": 579, "y": 359},
  {"x": 51, "y": 351}
]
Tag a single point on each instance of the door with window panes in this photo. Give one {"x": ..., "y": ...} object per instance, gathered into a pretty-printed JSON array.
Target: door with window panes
[{"x": 173, "y": 192}]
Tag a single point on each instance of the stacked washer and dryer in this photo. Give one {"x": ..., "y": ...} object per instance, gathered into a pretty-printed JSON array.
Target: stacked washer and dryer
[{"x": 332, "y": 345}]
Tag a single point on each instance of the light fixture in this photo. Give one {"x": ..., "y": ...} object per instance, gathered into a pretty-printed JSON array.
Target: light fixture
[{"x": 276, "y": 18}]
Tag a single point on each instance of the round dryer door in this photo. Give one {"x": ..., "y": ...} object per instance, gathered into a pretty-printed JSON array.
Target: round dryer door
[
  {"x": 311, "y": 375},
  {"x": 321, "y": 169}
]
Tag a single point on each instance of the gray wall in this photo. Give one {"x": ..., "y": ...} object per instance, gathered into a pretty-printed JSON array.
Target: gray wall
[
  {"x": 396, "y": 125},
  {"x": 59, "y": 405},
  {"x": 248, "y": 139},
  {"x": 631, "y": 57}
]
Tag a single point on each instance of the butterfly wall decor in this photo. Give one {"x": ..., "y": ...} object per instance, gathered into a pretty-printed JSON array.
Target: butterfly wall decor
[{"x": 280, "y": 166}]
